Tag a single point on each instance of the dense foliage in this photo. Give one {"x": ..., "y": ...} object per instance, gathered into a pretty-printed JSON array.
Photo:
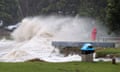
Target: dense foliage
[
  {"x": 91, "y": 8},
  {"x": 12, "y": 11},
  {"x": 8, "y": 11},
  {"x": 113, "y": 15}
]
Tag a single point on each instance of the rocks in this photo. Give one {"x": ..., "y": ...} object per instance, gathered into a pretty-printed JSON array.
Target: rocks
[{"x": 70, "y": 51}]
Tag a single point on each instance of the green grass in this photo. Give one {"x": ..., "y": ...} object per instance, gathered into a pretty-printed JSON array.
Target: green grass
[
  {"x": 59, "y": 67},
  {"x": 110, "y": 51}
]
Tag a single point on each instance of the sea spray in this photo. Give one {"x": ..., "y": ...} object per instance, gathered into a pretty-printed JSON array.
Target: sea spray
[{"x": 33, "y": 38}]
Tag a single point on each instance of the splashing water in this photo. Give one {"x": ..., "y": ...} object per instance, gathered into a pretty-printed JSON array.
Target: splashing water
[{"x": 33, "y": 38}]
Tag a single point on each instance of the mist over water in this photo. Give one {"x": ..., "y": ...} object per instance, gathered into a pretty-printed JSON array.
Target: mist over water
[
  {"x": 57, "y": 28},
  {"x": 33, "y": 37}
]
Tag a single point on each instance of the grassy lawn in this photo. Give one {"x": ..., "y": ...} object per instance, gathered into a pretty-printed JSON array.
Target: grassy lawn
[
  {"x": 59, "y": 67},
  {"x": 111, "y": 51}
]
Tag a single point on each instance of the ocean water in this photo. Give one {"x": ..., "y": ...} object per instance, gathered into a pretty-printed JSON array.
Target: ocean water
[{"x": 33, "y": 38}]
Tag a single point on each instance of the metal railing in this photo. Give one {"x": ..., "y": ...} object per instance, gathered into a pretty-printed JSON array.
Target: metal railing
[{"x": 109, "y": 39}]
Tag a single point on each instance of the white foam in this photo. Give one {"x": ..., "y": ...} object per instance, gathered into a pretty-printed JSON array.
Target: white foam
[{"x": 33, "y": 38}]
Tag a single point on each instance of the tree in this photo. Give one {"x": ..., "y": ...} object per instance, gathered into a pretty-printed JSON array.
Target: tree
[
  {"x": 12, "y": 11},
  {"x": 113, "y": 15},
  {"x": 8, "y": 11},
  {"x": 93, "y": 8}
]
